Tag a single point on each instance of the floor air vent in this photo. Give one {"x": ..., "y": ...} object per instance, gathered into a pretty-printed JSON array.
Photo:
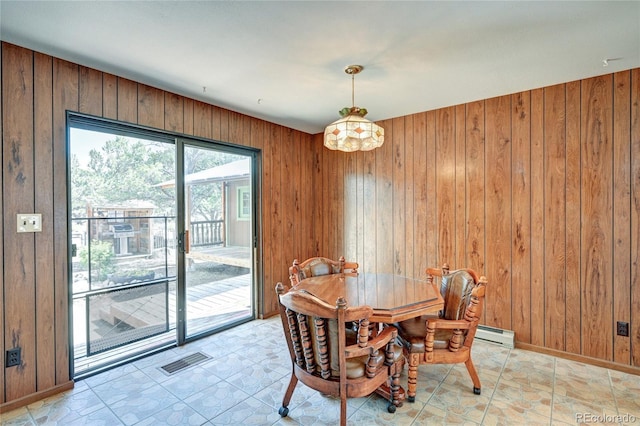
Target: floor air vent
[
  {"x": 496, "y": 335},
  {"x": 185, "y": 362}
]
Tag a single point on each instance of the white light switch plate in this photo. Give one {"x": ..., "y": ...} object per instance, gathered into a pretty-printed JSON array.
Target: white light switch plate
[{"x": 29, "y": 222}]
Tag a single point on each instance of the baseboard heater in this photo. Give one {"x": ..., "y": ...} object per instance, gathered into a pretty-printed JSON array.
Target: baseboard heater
[{"x": 498, "y": 336}]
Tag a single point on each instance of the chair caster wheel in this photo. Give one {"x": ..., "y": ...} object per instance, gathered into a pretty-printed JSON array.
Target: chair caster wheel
[
  {"x": 391, "y": 408},
  {"x": 476, "y": 391},
  {"x": 411, "y": 398},
  {"x": 283, "y": 411}
]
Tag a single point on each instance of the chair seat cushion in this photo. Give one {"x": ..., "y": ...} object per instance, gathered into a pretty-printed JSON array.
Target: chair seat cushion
[
  {"x": 412, "y": 332},
  {"x": 356, "y": 367}
]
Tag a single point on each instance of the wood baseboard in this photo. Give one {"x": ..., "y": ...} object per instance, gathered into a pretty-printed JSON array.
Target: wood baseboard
[
  {"x": 26, "y": 400},
  {"x": 270, "y": 314},
  {"x": 580, "y": 358}
]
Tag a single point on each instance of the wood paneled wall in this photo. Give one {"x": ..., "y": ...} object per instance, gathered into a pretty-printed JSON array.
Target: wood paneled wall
[
  {"x": 36, "y": 92},
  {"x": 539, "y": 191}
]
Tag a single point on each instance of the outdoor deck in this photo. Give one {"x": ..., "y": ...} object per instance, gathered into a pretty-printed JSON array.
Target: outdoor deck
[{"x": 234, "y": 256}]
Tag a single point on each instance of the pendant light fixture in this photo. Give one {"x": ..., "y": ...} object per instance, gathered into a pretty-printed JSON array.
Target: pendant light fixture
[{"x": 353, "y": 132}]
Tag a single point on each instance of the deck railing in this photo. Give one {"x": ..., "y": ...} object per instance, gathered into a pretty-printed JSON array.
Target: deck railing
[{"x": 207, "y": 233}]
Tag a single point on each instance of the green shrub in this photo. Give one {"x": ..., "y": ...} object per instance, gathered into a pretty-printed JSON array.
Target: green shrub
[{"x": 102, "y": 258}]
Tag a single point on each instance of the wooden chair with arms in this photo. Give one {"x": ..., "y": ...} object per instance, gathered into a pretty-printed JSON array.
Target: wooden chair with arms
[
  {"x": 318, "y": 265},
  {"x": 445, "y": 338},
  {"x": 321, "y": 359}
]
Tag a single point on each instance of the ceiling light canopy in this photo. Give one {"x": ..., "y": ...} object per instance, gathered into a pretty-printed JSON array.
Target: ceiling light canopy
[{"x": 353, "y": 132}]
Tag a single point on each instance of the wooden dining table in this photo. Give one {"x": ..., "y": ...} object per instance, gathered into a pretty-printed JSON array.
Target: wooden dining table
[{"x": 392, "y": 297}]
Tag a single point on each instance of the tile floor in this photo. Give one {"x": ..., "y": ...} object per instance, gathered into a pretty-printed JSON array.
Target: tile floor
[{"x": 245, "y": 379}]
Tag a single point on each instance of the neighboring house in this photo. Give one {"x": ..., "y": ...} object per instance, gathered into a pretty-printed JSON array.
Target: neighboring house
[{"x": 236, "y": 201}]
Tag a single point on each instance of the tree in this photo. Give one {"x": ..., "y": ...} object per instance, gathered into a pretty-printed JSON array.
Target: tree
[{"x": 122, "y": 170}]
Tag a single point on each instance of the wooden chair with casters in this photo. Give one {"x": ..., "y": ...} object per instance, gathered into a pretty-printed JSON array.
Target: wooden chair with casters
[
  {"x": 445, "y": 338},
  {"x": 321, "y": 359},
  {"x": 315, "y": 266}
]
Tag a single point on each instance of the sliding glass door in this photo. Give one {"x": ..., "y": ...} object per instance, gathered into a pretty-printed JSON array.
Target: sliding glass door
[
  {"x": 216, "y": 237},
  {"x": 122, "y": 228},
  {"x": 161, "y": 236}
]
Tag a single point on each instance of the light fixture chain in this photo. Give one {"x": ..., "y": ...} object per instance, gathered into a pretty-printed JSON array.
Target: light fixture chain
[{"x": 353, "y": 96}]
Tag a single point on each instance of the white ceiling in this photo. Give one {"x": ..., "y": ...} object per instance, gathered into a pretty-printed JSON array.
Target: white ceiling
[{"x": 283, "y": 61}]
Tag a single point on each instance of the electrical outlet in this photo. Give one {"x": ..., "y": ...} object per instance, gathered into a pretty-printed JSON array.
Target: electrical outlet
[
  {"x": 13, "y": 357},
  {"x": 623, "y": 328}
]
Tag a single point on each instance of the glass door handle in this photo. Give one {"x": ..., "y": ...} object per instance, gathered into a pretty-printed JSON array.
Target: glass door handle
[{"x": 183, "y": 242}]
